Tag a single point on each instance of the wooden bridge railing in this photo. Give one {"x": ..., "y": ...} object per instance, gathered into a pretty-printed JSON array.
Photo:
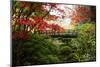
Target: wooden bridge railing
[{"x": 59, "y": 34}]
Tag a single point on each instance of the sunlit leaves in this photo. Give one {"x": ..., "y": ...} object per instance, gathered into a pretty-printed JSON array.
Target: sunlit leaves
[
  {"x": 38, "y": 23},
  {"x": 81, "y": 13}
]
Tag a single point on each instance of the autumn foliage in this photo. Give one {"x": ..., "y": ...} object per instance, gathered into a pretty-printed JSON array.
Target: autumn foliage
[
  {"x": 21, "y": 35},
  {"x": 36, "y": 22},
  {"x": 81, "y": 14},
  {"x": 49, "y": 33}
]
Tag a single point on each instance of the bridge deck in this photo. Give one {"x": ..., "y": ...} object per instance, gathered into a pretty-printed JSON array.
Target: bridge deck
[
  {"x": 61, "y": 35},
  {"x": 69, "y": 34}
]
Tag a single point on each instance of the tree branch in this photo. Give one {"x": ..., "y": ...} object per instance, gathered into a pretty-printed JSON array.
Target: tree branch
[{"x": 47, "y": 12}]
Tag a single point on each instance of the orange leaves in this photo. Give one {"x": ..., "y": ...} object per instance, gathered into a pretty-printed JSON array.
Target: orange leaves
[
  {"x": 56, "y": 28},
  {"x": 52, "y": 17},
  {"x": 38, "y": 12},
  {"x": 39, "y": 24},
  {"x": 37, "y": 19},
  {"x": 53, "y": 5},
  {"x": 43, "y": 25},
  {"x": 81, "y": 13},
  {"x": 22, "y": 21},
  {"x": 23, "y": 4}
]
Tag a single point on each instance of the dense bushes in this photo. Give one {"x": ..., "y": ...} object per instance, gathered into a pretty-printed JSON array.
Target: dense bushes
[
  {"x": 41, "y": 49},
  {"x": 85, "y": 43},
  {"x": 35, "y": 51}
]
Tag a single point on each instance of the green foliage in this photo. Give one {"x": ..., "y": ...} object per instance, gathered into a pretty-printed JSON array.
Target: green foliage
[
  {"x": 65, "y": 50},
  {"x": 41, "y": 49},
  {"x": 85, "y": 43},
  {"x": 36, "y": 51}
]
